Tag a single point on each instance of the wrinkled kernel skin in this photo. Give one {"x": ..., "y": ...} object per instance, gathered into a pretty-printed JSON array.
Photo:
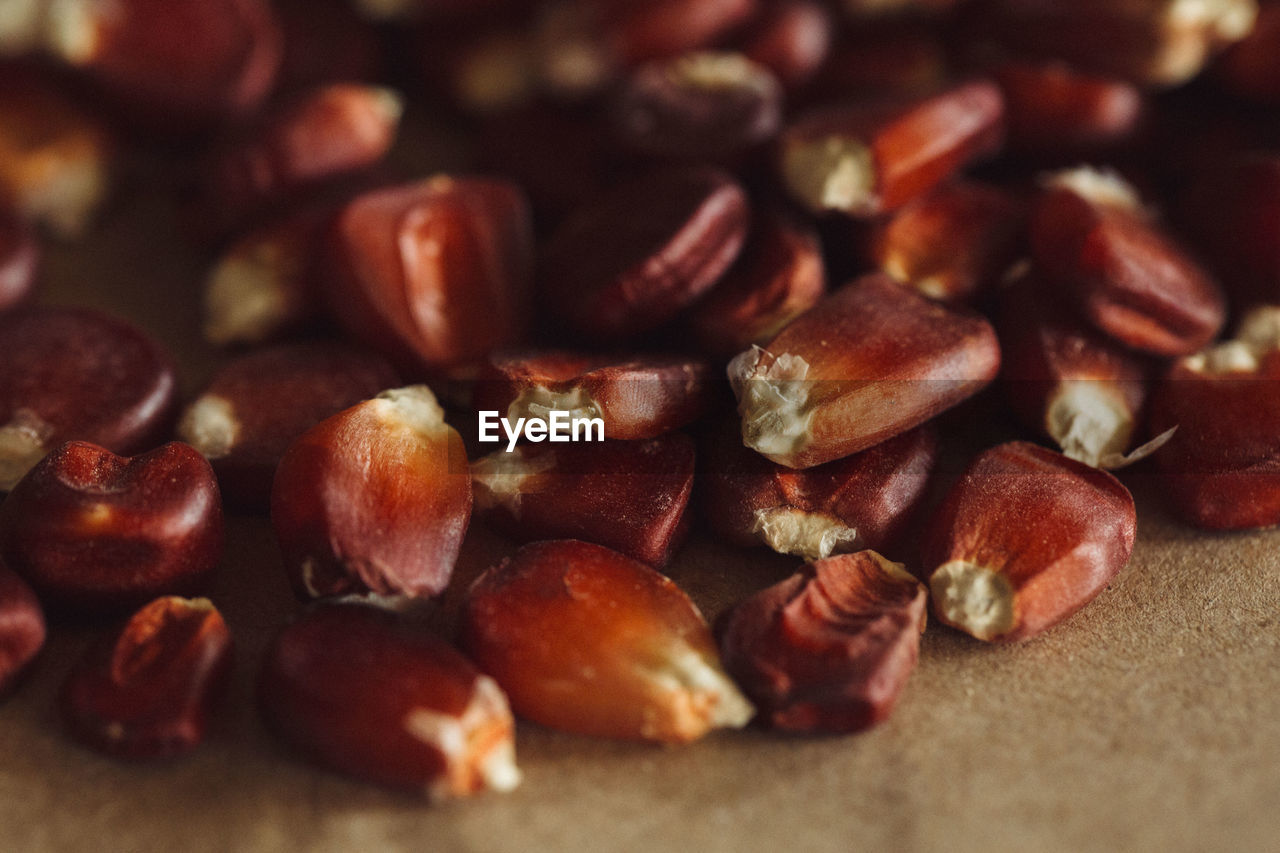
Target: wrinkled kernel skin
[
  {"x": 638, "y": 397},
  {"x": 97, "y": 532},
  {"x": 882, "y": 360},
  {"x": 572, "y": 632},
  {"x": 148, "y": 691},
  {"x": 630, "y": 496},
  {"x": 830, "y": 648},
  {"x": 22, "y": 628},
  {"x": 279, "y": 393},
  {"x": 1129, "y": 279},
  {"x": 370, "y": 505},
  {"x": 87, "y": 376},
  {"x": 630, "y": 260},
  {"x": 1058, "y": 531},
  {"x": 875, "y": 492},
  {"x": 1221, "y": 469},
  {"x": 339, "y": 683},
  {"x": 436, "y": 274},
  {"x": 19, "y": 259}
]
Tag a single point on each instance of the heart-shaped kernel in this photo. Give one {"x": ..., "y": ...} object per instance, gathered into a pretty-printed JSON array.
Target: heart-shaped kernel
[{"x": 95, "y": 531}]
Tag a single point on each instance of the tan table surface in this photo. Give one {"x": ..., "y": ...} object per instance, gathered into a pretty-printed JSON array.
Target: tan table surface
[{"x": 1151, "y": 721}]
